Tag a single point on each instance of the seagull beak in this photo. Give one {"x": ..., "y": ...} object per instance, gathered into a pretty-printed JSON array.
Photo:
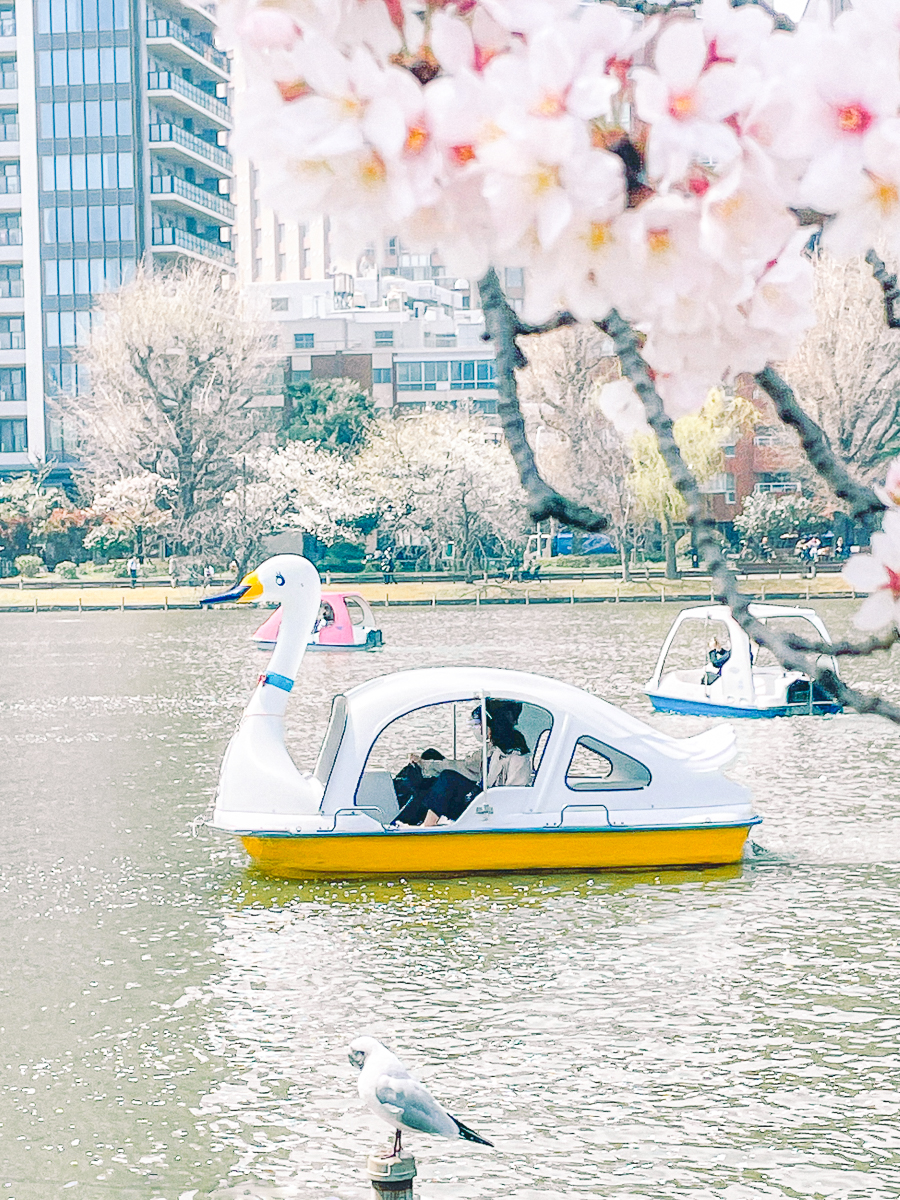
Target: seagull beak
[{"x": 248, "y": 589}]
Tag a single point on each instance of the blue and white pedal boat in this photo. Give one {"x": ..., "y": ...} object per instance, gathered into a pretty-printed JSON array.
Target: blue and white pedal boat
[{"x": 708, "y": 666}]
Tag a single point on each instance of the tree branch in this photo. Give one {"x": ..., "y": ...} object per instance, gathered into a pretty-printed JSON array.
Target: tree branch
[
  {"x": 846, "y": 649},
  {"x": 793, "y": 653},
  {"x": 653, "y": 8},
  {"x": 502, "y": 326},
  {"x": 864, "y": 503},
  {"x": 889, "y": 288}
]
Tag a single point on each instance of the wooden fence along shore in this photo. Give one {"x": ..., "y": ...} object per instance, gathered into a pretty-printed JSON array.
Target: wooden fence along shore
[{"x": 694, "y": 590}]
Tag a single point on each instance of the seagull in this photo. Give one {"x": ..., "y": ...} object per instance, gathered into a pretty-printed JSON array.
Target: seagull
[{"x": 392, "y": 1094}]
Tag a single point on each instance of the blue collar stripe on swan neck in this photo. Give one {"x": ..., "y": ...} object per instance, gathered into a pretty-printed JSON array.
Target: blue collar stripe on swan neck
[{"x": 279, "y": 681}]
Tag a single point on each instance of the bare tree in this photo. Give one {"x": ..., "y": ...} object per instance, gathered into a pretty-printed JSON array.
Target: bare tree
[
  {"x": 173, "y": 366},
  {"x": 560, "y": 391},
  {"x": 847, "y": 372}
]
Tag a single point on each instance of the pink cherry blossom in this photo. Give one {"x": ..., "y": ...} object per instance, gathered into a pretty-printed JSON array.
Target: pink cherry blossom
[{"x": 878, "y": 574}]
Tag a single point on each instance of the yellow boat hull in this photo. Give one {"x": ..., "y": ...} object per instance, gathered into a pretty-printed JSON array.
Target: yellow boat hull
[{"x": 347, "y": 855}]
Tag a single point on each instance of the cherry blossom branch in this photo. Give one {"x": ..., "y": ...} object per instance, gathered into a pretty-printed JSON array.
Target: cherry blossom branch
[
  {"x": 793, "y": 653},
  {"x": 863, "y": 501},
  {"x": 888, "y": 283},
  {"x": 502, "y": 326},
  {"x": 649, "y": 8}
]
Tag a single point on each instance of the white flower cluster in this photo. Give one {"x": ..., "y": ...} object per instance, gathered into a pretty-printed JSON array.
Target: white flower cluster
[{"x": 654, "y": 166}]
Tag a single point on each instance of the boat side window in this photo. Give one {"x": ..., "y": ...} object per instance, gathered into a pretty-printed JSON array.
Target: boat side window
[
  {"x": 354, "y": 609},
  {"x": 786, "y": 626},
  {"x": 445, "y": 731},
  {"x": 332, "y": 740},
  {"x": 596, "y": 767}
]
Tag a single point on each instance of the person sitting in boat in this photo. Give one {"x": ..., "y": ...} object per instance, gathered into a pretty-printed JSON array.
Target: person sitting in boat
[
  {"x": 718, "y": 655},
  {"x": 412, "y": 785},
  {"x": 326, "y": 615},
  {"x": 458, "y": 781}
]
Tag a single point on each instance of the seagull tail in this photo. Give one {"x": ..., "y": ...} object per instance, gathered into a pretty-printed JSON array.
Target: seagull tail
[{"x": 470, "y": 1135}]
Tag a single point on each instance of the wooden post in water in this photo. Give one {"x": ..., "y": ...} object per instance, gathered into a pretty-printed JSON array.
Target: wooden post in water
[{"x": 392, "y": 1176}]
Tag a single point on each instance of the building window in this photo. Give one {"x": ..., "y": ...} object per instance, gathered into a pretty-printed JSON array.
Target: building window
[
  {"x": 467, "y": 373},
  {"x": 13, "y": 437},
  {"x": 10, "y": 228},
  {"x": 421, "y": 376},
  {"x": 729, "y": 450},
  {"x": 485, "y": 373},
  {"x": 300, "y": 376},
  {"x": 12, "y": 333},
  {"x": 12, "y": 383},
  {"x": 515, "y": 277},
  {"x": 445, "y": 339},
  {"x": 10, "y": 180},
  {"x": 304, "y": 341},
  {"x": 279, "y": 304},
  {"x": 9, "y": 78},
  {"x": 11, "y": 282},
  {"x": 381, "y": 374},
  {"x": 384, "y": 337},
  {"x": 86, "y": 16}
]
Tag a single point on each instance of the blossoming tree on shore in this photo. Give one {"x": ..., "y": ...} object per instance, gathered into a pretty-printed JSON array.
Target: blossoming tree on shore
[{"x": 661, "y": 170}]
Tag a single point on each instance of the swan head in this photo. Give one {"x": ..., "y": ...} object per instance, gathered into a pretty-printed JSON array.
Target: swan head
[{"x": 288, "y": 579}]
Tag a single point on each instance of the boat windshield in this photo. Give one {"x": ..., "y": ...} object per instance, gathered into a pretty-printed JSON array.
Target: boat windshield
[
  {"x": 696, "y": 645},
  {"x": 332, "y": 740}
]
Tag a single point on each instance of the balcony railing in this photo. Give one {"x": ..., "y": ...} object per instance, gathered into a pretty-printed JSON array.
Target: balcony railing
[
  {"x": 161, "y": 81},
  {"x": 12, "y": 341},
  {"x": 172, "y": 185},
  {"x": 181, "y": 137},
  {"x": 168, "y": 29},
  {"x": 10, "y": 185},
  {"x": 9, "y": 80},
  {"x": 784, "y": 485},
  {"x": 9, "y": 133},
  {"x": 7, "y": 24},
  {"x": 180, "y": 238}
]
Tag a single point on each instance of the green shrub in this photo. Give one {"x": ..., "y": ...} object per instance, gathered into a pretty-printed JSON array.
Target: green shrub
[
  {"x": 66, "y": 569},
  {"x": 29, "y": 565}
]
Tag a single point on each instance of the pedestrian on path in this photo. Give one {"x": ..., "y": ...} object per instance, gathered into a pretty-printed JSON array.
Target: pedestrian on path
[{"x": 133, "y": 565}]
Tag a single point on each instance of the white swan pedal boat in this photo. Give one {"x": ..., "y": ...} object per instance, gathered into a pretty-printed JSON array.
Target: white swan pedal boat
[
  {"x": 345, "y": 622},
  {"x": 746, "y": 681},
  {"x": 606, "y": 790}
]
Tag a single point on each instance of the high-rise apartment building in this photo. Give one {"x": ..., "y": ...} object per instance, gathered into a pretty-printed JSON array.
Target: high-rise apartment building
[{"x": 113, "y": 119}]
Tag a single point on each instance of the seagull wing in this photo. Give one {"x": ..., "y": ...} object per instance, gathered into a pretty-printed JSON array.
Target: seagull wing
[{"x": 413, "y": 1106}]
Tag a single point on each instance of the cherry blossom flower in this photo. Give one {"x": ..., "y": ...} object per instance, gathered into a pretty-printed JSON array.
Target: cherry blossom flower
[
  {"x": 621, "y": 405},
  {"x": 890, "y": 493},
  {"x": 686, "y": 101},
  {"x": 878, "y": 574}
]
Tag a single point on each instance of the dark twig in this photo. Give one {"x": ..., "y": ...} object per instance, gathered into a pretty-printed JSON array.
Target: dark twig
[
  {"x": 891, "y": 291},
  {"x": 864, "y": 503},
  {"x": 845, "y": 649},
  {"x": 559, "y": 321},
  {"x": 788, "y": 651},
  {"x": 502, "y": 327}
]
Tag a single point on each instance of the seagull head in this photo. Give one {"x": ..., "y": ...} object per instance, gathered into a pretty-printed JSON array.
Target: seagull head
[{"x": 360, "y": 1049}]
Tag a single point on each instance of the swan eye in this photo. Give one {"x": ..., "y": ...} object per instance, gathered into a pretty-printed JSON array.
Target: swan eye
[{"x": 279, "y": 579}]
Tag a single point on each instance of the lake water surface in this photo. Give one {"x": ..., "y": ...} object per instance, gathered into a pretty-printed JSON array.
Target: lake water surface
[{"x": 174, "y": 1027}]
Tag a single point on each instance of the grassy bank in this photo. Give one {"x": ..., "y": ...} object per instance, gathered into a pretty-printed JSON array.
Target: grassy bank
[{"x": 763, "y": 587}]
